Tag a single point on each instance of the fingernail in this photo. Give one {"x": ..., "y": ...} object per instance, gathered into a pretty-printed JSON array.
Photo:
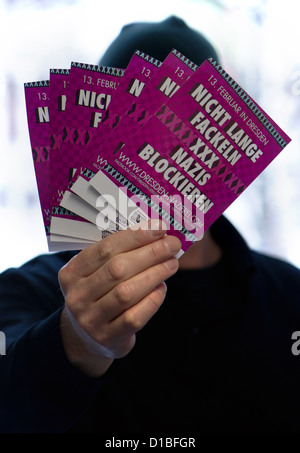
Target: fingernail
[
  {"x": 157, "y": 227},
  {"x": 173, "y": 245},
  {"x": 162, "y": 288},
  {"x": 171, "y": 264}
]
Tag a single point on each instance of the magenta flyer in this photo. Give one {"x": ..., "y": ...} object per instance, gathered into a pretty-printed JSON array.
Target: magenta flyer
[
  {"x": 222, "y": 128},
  {"x": 171, "y": 74},
  {"x": 59, "y": 83},
  {"x": 89, "y": 94},
  {"x": 207, "y": 143},
  {"x": 37, "y": 106},
  {"x": 136, "y": 76},
  {"x": 166, "y": 140}
]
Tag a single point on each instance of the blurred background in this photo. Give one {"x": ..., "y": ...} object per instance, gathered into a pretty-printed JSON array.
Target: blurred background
[{"x": 258, "y": 41}]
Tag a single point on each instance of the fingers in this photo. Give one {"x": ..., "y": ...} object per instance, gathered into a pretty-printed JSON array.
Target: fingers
[
  {"x": 93, "y": 257},
  {"x": 135, "y": 318},
  {"x": 122, "y": 267},
  {"x": 114, "y": 287},
  {"x": 119, "y": 334},
  {"x": 129, "y": 292}
]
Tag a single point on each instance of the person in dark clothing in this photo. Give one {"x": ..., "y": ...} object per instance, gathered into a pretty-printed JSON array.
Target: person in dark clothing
[{"x": 95, "y": 343}]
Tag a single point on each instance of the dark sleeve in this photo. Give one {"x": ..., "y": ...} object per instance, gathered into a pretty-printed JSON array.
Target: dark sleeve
[{"x": 40, "y": 389}]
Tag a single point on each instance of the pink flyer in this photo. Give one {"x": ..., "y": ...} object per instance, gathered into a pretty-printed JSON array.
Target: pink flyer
[
  {"x": 37, "y": 106},
  {"x": 59, "y": 83},
  {"x": 137, "y": 74},
  {"x": 173, "y": 72},
  {"x": 89, "y": 94},
  {"x": 222, "y": 128},
  {"x": 164, "y": 140},
  {"x": 199, "y": 152}
]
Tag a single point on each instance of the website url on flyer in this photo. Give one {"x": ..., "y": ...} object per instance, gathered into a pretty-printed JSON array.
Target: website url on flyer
[{"x": 151, "y": 442}]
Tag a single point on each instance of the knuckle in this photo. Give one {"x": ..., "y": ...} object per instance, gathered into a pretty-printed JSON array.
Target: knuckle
[
  {"x": 124, "y": 292},
  {"x": 156, "y": 251},
  {"x": 74, "y": 300},
  {"x": 106, "y": 248},
  {"x": 116, "y": 267},
  {"x": 64, "y": 275},
  {"x": 131, "y": 322},
  {"x": 67, "y": 274}
]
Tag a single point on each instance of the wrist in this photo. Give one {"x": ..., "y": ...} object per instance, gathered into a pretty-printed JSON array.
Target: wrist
[{"x": 80, "y": 354}]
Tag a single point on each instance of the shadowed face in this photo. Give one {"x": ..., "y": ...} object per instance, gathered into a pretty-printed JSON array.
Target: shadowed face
[{"x": 157, "y": 40}]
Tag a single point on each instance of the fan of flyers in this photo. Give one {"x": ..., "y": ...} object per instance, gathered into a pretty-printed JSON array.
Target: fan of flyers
[{"x": 168, "y": 140}]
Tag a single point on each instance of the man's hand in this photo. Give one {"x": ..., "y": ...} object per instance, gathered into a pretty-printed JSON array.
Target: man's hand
[{"x": 111, "y": 291}]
